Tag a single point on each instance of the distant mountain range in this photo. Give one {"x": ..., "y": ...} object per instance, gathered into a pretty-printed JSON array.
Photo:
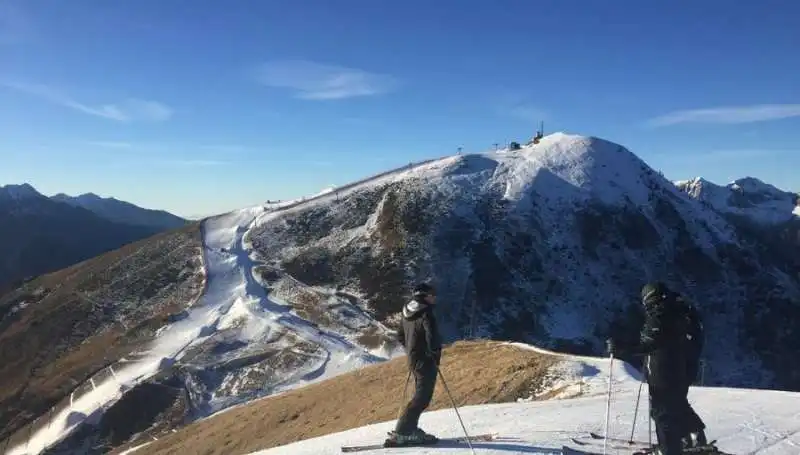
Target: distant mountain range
[
  {"x": 122, "y": 212},
  {"x": 39, "y": 234}
]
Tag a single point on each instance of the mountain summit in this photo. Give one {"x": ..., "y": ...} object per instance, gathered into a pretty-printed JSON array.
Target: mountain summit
[
  {"x": 23, "y": 191},
  {"x": 747, "y": 197},
  {"x": 548, "y": 245}
]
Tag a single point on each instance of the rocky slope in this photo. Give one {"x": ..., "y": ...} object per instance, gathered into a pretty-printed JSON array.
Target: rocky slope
[
  {"x": 40, "y": 235},
  {"x": 548, "y": 245}
]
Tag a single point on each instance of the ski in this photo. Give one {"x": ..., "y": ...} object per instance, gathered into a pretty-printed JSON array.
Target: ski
[
  {"x": 616, "y": 443},
  {"x": 708, "y": 449},
  {"x": 701, "y": 450},
  {"x": 361, "y": 448},
  {"x": 693, "y": 450},
  {"x": 594, "y": 435}
]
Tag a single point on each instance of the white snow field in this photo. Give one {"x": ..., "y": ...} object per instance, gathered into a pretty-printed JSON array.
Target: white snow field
[{"x": 743, "y": 421}]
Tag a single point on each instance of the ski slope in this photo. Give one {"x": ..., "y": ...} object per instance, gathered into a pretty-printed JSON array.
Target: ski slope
[
  {"x": 743, "y": 421},
  {"x": 234, "y": 301}
]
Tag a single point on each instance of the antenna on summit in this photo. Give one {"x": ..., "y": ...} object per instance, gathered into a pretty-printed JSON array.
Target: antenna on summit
[{"x": 540, "y": 133}]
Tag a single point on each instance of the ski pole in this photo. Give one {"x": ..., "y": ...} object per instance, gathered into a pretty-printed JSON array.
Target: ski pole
[
  {"x": 608, "y": 402},
  {"x": 649, "y": 422},
  {"x": 636, "y": 409},
  {"x": 649, "y": 406},
  {"x": 455, "y": 408}
]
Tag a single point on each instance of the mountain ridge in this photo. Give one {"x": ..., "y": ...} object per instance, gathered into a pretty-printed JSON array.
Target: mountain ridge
[
  {"x": 546, "y": 245},
  {"x": 41, "y": 234},
  {"x": 123, "y": 212}
]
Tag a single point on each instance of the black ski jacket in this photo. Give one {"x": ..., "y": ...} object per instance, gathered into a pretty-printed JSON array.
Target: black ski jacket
[
  {"x": 695, "y": 341},
  {"x": 663, "y": 339},
  {"x": 420, "y": 334}
]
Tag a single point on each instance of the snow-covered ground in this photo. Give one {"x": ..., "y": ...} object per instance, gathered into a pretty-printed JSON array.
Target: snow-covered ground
[{"x": 743, "y": 421}]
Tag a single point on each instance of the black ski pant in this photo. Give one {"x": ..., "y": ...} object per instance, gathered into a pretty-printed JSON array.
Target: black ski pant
[
  {"x": 424, "y": 372},
  {"x": 692, "y": 422},
  {"x": 667, "y": 410}
]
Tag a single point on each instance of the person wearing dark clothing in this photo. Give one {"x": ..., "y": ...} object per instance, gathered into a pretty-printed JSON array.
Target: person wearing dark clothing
[
  {"x": 663, "y": 340},
  {"x": 420, "y": 337},
  {"x": 694, "y": 432}
]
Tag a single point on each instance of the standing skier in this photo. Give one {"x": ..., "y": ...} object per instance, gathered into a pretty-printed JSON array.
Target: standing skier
[
  {"x": 419, "y": 335},
  {"x": 694, "y": 434},
  {"x": 663, "y": 339}
]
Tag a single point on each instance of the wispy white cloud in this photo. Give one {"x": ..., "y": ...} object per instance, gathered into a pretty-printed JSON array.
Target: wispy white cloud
[
  {"x": 129, "y": 110},
  {"x": 316, "y": 81},
  {"x": 729, "y": 115}
]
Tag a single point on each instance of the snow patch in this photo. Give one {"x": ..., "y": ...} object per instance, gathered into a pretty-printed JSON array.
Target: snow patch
[{"x": 742, "y": 421}]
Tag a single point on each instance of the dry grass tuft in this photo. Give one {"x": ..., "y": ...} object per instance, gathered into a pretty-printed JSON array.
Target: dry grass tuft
[{"x": 477, "y": 372}]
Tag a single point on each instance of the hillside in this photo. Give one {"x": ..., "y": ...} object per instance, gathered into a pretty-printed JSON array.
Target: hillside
[
  {"x": 123, "y": 212},
  {"x": 547, "y": 245},
  {"x": 742, "y": 421},
  {"x": 368, "y": 395},
  {"x": 65, "y": 331},
  {"x": 40, "y": 235}
]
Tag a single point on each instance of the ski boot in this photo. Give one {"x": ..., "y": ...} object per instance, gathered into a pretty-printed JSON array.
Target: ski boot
[
  {"x": 694, "y": 439},
  {"x": 416, "y": 438}
]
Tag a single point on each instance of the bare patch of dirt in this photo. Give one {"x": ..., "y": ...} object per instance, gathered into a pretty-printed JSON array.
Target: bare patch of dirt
[
  {"x": 330, "y": 406},
  {"x": 371, "y": 338}
]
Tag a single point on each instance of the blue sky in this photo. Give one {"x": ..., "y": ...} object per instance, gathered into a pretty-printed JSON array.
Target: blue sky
[{"x": 205, "y": 106}]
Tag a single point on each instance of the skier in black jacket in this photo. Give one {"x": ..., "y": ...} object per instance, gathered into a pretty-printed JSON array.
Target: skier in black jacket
[
  {"x": 423, "y": 345},
  {"x": 663, "y": 340}
]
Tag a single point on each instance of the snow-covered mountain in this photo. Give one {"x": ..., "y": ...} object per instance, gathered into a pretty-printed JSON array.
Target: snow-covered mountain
[
  {"x": 123, "y": 212},
  {"x": 550, "y": 245},
  {"x": 748, "y": 197},
  {"x": 547, "y": 245},
  {"x": 39, "y": 235}
]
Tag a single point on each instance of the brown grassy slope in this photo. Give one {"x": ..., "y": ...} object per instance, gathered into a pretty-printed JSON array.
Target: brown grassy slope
[
  {"x": 476, "y": 372},
  {"x": 82, "y": 318}
]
